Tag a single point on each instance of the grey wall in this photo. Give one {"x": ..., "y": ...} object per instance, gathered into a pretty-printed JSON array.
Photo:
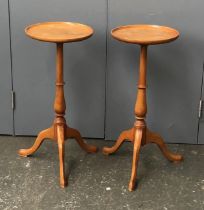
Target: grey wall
[
  {"x": 174, "y": 70},
  {"x": 34, "y": 67},
  {"x": 6, "y": 115},
  {"x": 102, "y": 70}
]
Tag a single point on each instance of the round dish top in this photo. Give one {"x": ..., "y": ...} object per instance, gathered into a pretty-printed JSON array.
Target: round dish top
[
  {"x": 59, "y": 31},
  {"x": 145, "y": 34}
]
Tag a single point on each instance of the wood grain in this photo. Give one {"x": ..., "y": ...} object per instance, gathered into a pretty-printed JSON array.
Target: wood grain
[
  {"x": 59, "y": 32},
  {"x": 145, "y": 34}
]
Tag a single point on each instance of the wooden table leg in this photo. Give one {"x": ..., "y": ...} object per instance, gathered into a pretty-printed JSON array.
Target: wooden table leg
[
  {"x": 45, "y": 134},
  {"x": 59, "y": 131},
  {"x": 136, "y": 151},
  {"x": 157, "y": 139},
  {"x": 125, "y": 135},
  {"x": 73, "y": 133},
  {"x": 60, "y": 141}
]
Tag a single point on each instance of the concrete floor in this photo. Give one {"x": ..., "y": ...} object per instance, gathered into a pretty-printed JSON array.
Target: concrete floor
[{"x": 99, "y": 182}]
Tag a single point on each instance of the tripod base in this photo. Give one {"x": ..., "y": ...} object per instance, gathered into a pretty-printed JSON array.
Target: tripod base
[
  {"x": 141, "y": 136},
  {"x": 59, "y": 132}
]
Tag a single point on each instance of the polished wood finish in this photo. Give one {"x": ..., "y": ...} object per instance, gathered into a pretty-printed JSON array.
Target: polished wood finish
[
  {"x": 59, "y": 131},
  {"x": 145, "y": 34},
  {"x": 139, "y": 135},
  {"x": 59, "y": 32}
]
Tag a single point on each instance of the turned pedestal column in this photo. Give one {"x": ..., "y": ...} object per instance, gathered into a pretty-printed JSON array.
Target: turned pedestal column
[
  {"x": 139, "y": 135},
  {"x": 59, "y": 33}
]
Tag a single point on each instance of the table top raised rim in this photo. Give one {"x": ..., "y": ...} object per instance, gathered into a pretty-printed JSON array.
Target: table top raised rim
[
  {"x": 80, "y": 38},
  {"x": 145, "y": 42}
]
